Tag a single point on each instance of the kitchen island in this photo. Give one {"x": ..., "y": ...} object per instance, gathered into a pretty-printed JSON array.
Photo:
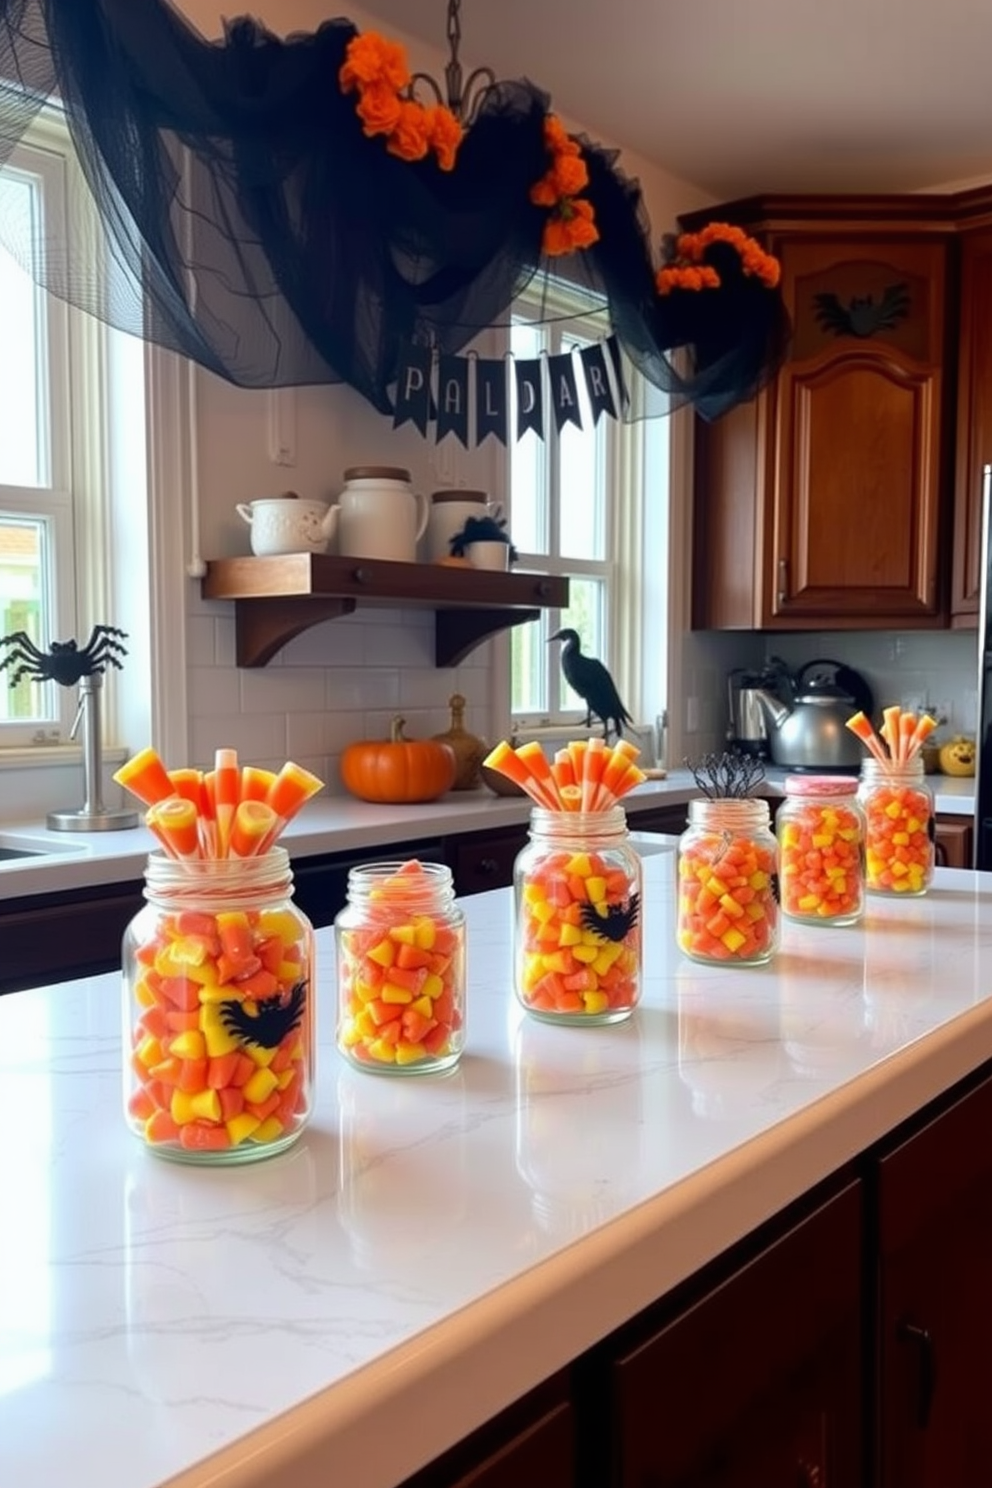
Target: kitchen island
[{"x": 432, "y": 1249}]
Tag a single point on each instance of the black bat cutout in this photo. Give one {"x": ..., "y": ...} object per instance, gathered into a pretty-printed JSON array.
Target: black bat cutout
[
  {"x": 617, "y": 922},
  {"x": 861, "y": 316},
  {"x": 269, "y": 1026}
]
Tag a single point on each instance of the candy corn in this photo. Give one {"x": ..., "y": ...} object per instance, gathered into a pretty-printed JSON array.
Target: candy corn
[
  {"x": 228, "y": 811},
  {"x": 586, "y": 776}
]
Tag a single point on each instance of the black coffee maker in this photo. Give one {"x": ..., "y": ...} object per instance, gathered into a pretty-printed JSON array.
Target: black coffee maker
[{"x": 747, "y": 731}]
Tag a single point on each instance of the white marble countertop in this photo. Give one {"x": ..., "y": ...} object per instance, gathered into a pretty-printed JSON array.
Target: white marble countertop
[
  {"x": 434, "y": 1247},
  {"x": 331, "y": 824}
]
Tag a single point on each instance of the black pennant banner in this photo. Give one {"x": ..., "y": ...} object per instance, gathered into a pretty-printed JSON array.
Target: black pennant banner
[
  {"x": 530, "y": 396},
  {"x": 491, "y": 402},
  {"x": 564, "y": 391},
  {"x": 413, "y": 388},
  {"x": 452, "y": 398},
  {"x": 598, "y": 388},
  {"x": 441, "y": 389}
]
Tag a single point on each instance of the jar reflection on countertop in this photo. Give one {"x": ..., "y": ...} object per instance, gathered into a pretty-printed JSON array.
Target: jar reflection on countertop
[
  {"x": 580, "y": 1166},
  {"x": 730, "y": 1053},
  {"x": 404, "y": 1178}
]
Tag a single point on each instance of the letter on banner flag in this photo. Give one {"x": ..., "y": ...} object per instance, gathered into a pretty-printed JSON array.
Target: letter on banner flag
[
  {"x": 413, "y": 387},
  {"x": 613, "y": 347},
  {"x": 490, "y": 400},
  {"x": 564, "y": 391},
  {"x": 452, "y": 398},
  {"x": 530, "y": 397},
  {"x": 597, "y": 382}
]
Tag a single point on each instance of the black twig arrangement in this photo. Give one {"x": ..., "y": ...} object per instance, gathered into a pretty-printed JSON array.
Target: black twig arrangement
[
  {"x": 726, "y": 776},
  {"x": 482, "y": 529}
]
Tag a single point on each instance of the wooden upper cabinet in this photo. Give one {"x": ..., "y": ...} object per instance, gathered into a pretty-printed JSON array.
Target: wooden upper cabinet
[
  {"x": 973, "y": 450},
  {"x": 856, "y": 434},
  {"x": 820, "y": 502}
]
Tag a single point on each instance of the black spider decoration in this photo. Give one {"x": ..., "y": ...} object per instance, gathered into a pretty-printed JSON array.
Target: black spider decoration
[
  {"x": 64, "y": 663},
  {"x": 269, "y": 1026},
  {"x": 861, "y": 316},
  {"x": 617, "y": 922}
]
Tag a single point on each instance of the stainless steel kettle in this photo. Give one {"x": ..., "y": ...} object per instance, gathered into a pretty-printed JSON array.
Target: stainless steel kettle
[{"x": 808, "y": 732}]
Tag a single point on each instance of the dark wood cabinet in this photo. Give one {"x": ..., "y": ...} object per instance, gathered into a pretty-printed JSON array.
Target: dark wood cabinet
[
  {"x": 57, "y": 937},
  {"x": 820, "y": 503},
  {"x": 759, "y": 1383},
  {"x": 935, "y": 1301},
  {"x": 954, "y": 843},
  {"x": 529, "y": 1445},
  {"x": 973, "y": 450}
]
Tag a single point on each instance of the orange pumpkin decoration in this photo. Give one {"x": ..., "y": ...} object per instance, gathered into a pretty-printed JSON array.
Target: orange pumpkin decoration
[{"x": 398, "y": 769}]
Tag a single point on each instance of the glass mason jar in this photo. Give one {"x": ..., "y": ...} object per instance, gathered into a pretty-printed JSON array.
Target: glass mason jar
[
  {"x": 218, "y": 979},
  {"x": 899, "y": 827},
  {"x": 401, "y": 969},
  {"x": 820, "y": 828},
  {"x": 577, "y": 889},
  {"x": 728, "y": 883}
]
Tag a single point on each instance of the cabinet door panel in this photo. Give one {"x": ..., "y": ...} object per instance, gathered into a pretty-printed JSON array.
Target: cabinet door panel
[
  {"x": 857, "y": 506},
  {"x": 935, "y": 1324},
  {"x": 759, "y": 1384},
  {"x": 974, "y": 431}
]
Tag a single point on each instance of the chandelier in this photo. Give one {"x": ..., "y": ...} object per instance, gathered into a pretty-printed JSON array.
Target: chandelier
[{"x": 463, "y": 99}]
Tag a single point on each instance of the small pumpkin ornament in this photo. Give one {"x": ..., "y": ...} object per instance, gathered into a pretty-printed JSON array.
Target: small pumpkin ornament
[
  {"x": 958, "y": 756},
  {"x": 398, "y": 771},
  {"x": 469, "y": 751}
]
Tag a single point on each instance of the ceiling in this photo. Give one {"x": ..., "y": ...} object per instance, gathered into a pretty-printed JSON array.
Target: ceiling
[{"x": 742, "y": 96}]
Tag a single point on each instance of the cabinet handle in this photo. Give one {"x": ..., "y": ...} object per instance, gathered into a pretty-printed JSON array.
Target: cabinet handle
[
  {"x": 808, "y": 1474},
  {"x": 361, "y": 575},
  {"x": 488, "y": 865},
  {"x": 912, "y": 1333},
  {"x": 783, "y": 580}
]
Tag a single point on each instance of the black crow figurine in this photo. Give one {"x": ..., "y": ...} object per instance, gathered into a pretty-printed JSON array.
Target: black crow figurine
[{"x": 590, "y": 679}]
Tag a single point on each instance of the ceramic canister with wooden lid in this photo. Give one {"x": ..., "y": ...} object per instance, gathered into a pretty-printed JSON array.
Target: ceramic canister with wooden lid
[
  {"x": 379, "y": 514},
  {"x": 449, "y": 511}
]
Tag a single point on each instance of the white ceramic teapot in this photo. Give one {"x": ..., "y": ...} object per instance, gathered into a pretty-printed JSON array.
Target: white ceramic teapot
[
  {"x": 287, "y": 524},
  {"x": 379, "y": 515}
]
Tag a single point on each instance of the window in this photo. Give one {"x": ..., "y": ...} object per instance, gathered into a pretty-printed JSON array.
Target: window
[
  {"x": 577, "y": 509},
  {"x": 54, "y": 449}
]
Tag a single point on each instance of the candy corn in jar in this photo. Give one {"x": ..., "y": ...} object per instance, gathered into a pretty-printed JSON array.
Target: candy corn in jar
[
  {"x": 728, "y": 882},
  {"x": 821, "y": 838},
  {"x": 577, "y": 932},
  {"x": 218, "y": 971},
  {"x": 401, "y": 969},
  {"x": 899, "y": 826}
]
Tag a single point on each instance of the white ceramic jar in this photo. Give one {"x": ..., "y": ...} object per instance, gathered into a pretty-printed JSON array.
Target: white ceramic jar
[
  {"x": 379, "y": 515},
  {"x": 449, "y": 511}
]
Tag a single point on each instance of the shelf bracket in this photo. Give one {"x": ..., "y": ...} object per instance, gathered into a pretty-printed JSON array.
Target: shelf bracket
[
  {"x": 263, "y": 625},
  {"x": 457, "y": 632}
]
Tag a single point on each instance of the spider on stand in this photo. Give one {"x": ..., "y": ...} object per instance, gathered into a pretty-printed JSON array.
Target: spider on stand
[{"x": 64, "y": 662}]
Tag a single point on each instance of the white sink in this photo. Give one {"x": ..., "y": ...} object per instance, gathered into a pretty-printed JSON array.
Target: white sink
[{"x": 21, "y": 848}]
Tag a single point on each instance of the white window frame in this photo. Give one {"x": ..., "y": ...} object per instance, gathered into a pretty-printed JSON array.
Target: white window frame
[
  {"x": 637, "y": 522},
  {"x": 78, "y": 498}
]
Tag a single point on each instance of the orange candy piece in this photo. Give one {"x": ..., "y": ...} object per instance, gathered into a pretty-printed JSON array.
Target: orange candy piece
[{"x": 728, "y": 905}]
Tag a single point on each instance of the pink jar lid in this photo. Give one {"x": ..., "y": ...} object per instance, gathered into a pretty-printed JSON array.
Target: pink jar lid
[{"x": 821, "y": 785}]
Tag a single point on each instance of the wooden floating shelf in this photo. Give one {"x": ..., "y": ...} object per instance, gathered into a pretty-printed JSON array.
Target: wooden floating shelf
[{"x": 276, "y": 599}]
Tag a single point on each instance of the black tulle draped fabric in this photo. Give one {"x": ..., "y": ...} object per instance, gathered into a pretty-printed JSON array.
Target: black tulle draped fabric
[{"x": 256, "y": 229}]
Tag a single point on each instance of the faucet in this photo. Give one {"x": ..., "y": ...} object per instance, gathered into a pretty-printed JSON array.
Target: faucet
[{"x": 92, "y": 816}]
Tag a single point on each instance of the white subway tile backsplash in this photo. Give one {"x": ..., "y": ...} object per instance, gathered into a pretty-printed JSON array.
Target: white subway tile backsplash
[
  {"x": 201, "y": 639},
  {"x": 399, "y": 646},
  {"x": 213, "y": 692},
  {"x": 330, "y": 644},
  {"x": 361, "y": 688},
  {"x": 282, "y": 689},
  {"x": 259, "y": 739}
]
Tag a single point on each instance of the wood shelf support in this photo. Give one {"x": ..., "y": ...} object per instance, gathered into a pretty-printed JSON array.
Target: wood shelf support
[{"x": 263, "y": 626}]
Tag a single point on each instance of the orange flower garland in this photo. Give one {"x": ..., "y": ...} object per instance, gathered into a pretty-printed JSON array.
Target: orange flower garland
[
  {"x": 377, "y": 70},
  {"x": 687, "y": 270},
  {"x": 572, "y": 221}
]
